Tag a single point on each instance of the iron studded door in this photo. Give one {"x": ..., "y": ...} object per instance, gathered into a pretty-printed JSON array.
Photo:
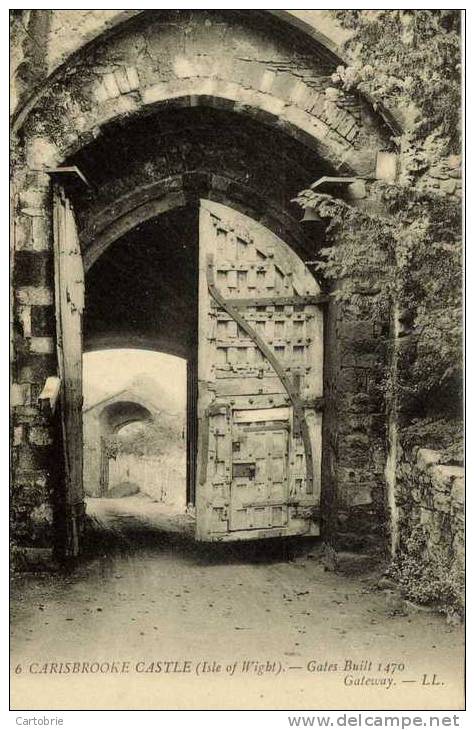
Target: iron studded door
[{"x": 259, "y": 383}]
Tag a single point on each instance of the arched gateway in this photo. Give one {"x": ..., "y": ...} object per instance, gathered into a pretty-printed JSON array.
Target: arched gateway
[{"x": 204, "y": 124}]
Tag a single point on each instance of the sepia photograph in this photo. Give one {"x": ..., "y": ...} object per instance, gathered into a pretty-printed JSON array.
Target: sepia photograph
[{"x": 236, "y": 360}]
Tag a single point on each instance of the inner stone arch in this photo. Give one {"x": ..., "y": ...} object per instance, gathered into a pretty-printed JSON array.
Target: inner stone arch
[
  {"x": 143, "y": 287},
  {"x": 175, "y": 157},
  {"x": 120, "y": 413},
  {"x": 134, "y": 422}
]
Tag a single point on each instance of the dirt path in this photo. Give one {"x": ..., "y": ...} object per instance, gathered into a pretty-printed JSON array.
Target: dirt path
[
  {"x": 149, "y": 599},
  {"x": 140, "y": 512}
]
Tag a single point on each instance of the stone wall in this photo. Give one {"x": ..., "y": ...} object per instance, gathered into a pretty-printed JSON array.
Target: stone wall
[
  {"x": 163, "y": 478},
  {"x": 429, "y": 168},
  {"x": 33, "y": 360},
  {"x": 358, "y": 415},
  {"x": 66, "y": 32},
  {"x": 430, "y": 503}
]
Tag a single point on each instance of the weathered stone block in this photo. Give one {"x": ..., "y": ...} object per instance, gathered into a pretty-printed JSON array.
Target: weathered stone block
[
  {"x": 345, "y": 123},
  {"x": 357, "y": 330},
  {"x": 386, "y": 166},
  {"x": 41, "y": 295},
  {"x": 20, "y": 394},
  {"x": 42, "y": 516},
  {"x": 22, "y": 342},
  {"x": 283, "y": 85},
  {"x": 127, "y": 79},
  {"x": 427, "y": 457},
  {"x": 416, "y": 495},
  {"x": 33, "y": 268},
  {"x": 40, "y": 234},
  {"x": 454, "y": 162},
  {"x": 363, "y": 161},
  {"x": 458, "y": 490},
  {"x": 448, "y": 186},
  {"x": 360, "y": 494},
  {"x": 443, "y": 476},
  {"x": 40, "y": 435},
  {"x": 355, "y": 441},
  {"x": 426, "y": 516},
  {"x": 42, "y": 345},
  {"x": 458, "y": 546},
  {"x": 110, "y": 85},
  {"x": 356, "y": 402},
  {"x": 110, "y": 109},
  {"x": 184, "y": 67},
  {"x": 267, "y": 81},
  {"x": 442, "y": 502},
  {"x": 249, "y": 74},
  {"x": 353, "y": 379},
  {"x": 352, "y": 133},
  {"x": 34, "y": 458},
  {"x": 41, "y": 154},
  {"x": 43, "y": 321},
  {"x": 17, "y": 435},
  {"x": 271, "y": 104},
  {"x": 38, "y": 367},
  {"x": 298, "y": 93},
  {"x": 23, "y": 232},
  {"x": 317, "y": 109},
  {"x": 31, "y": 201},
  {"x": 25, "y": 414}
]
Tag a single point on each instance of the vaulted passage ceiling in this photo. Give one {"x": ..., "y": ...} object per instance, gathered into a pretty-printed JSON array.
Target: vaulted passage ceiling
[
  {"x": 200, "y": 135},
  {"x": 128, "y": 157}
]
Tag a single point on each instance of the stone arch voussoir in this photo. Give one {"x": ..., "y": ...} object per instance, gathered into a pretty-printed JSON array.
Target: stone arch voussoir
[{"x": 287, "y": 93}]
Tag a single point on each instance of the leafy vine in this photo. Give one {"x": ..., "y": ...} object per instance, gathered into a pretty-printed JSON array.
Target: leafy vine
[{"x": 411, "y": 258}]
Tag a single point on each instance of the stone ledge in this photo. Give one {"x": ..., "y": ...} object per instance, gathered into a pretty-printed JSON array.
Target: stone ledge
[
  {"x": 443, "y": 476},
  {"x": 39, "y": 295},
  {"x": 427, "y": 457},
  {"x": 431, "y": 496}
]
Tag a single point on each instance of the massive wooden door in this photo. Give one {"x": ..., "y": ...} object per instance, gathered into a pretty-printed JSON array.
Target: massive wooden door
[
  {"x": 260, "y": 358},
  {"x": 69, "y": 296}
]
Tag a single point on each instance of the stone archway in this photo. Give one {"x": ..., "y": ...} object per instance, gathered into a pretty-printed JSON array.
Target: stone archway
[
  {"x": 102, "y": 422},
  {"x": 280, "y": 79},
  {"x": 279, "y": 88}
]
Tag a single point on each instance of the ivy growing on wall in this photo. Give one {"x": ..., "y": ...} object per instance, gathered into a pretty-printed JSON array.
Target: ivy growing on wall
[
  {"x": 410, "y": 256},
  {"x": 408, "y": 260},
  {"x": 410, "y": 61},
  {"x": 429, "y": 579},
  {"x": 428, "y": 273}
]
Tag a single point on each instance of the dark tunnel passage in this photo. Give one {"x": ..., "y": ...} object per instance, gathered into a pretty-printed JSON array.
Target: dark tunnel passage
[{"x": 142, "y": 291}]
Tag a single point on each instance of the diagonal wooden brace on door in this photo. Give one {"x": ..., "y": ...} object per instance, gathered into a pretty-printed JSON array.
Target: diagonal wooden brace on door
[{"x": 300, "y": 427}]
